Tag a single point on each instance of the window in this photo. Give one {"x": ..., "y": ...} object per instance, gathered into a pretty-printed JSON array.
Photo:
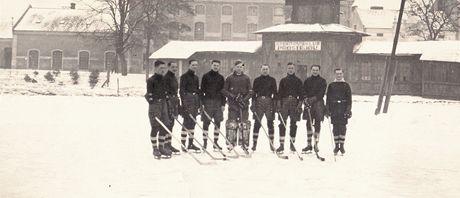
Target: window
[
  {"x": 83, "y": 60},
  {"x": 200, "y": 10},
  {"x": 33, "y": 59},
  {"x": 110, "y": 61},
  {"x": 252, "y": 27},
  {"x": 226, "y": 31},
  {"x": 56, "y": 61},
  {"x": 355, "y": 27},
  {"x": 199, "y": 31},
  {"x": 252, "y": 11},
  {"x": 278, "y": 11},
  {"x": 227, "y": 10},
  {"x": 380, "y": 34}
]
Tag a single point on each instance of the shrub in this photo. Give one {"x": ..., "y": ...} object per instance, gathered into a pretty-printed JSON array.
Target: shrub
[
  {"x": 35, "y": 73},
  {"x": 49, "y": 77},
  {"x": 74, "y": 76},
  {"x": 27, "y": 78},
  {"x": 56, "y": 72},
  {"x": 93, "y": 78}
]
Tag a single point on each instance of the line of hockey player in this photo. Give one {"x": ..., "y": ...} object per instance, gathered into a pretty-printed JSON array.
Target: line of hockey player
[{"x": 236, "y": 91}]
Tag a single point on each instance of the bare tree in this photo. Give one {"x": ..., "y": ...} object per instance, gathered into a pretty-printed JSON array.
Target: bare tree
[
  {"x": 434, "y": 17},
  {"x": 162, "y": 22}
]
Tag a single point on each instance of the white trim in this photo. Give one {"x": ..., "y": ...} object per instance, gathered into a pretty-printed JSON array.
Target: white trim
[
  {"x": 62, "y": 58},
  {"x": 274, "y": 8},
  {"x": 38, "y": 57},
  {"x": 89, "y": 58},
  {"x": 105, "y": 57},
  {"x": 222, "y": 9}
]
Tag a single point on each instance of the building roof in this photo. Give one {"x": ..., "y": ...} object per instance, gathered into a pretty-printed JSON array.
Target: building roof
[
  {"x": 310, "y": 28},
  {"x": 63, "y": 20},
  {"x": 384, "y": 19},
  {"x": 185, "y": 49},
  {"x": 447, "y": 51},
  {"x": 5, "y": 30}
]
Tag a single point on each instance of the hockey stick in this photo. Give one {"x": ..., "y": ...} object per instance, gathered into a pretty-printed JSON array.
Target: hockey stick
[
  {"x": 316, "y": 140},
  {"x": 221, "y": 133},
  {"x": 271, "y": 142},
  {"x": 332, "y": 136},
  {"x": 290, "y": 139},
  {"x": 214, "y": 144},
  {"x": 190, "y": 135},
  {"x": 183, "y": 147}
]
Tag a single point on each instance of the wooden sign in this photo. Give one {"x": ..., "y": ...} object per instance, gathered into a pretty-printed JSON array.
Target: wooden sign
[{"x": 298, "y": 46}]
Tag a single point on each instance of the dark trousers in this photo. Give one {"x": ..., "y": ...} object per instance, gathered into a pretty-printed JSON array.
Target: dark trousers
[{"x": 339, "y": 131}]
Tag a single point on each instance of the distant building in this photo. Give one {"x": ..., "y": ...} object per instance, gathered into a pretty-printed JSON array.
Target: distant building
[
  {"x": 224, "y": 20},
  {"x": 63, "y": 39},
  {"x": 6, "y": 42}
]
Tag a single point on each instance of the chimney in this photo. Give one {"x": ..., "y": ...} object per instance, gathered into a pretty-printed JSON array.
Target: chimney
[{"x": 72, "y": 6}]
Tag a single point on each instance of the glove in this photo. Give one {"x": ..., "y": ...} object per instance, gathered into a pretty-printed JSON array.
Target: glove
[
  {"x": 348, "y": 114},
  {"x": 311, "y": 100},
  {"x": 299, "y": 107},
  {"x": 307, "y": 103}
]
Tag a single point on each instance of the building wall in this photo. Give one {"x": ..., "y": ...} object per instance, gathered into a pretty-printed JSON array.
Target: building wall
[
  {"x": 213, "y": 18},
  {"x": 5, "y": 46},
  {"x": 70, "y": 44}
]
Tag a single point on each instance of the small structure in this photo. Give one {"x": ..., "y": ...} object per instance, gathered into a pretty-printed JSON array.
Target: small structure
[
  {"x": 6, "y": 42},
  {"x": 205, "y": 51}
]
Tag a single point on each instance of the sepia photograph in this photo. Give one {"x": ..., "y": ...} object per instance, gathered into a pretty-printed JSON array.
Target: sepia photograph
[{"x": 229, "y": 98}]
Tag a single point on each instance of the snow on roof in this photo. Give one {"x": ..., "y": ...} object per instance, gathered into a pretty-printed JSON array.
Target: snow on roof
[
  {"x": 377, "y": 18},
  {"x": 448, "y": 51},
  {"x": 185, "y": 49},
  {"x": 63, "y": 20},
  {"x": 310, "y": 28},
  {"x": 5, "y": 29}
]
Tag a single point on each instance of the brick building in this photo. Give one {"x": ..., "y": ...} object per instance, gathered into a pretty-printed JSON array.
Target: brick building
[
  {"x": 222, "y": 20},
  {"x": 65, "y": 38},
  {"x": 6, "y": 41}
]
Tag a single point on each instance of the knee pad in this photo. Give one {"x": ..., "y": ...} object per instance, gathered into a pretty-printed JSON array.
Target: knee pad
[
  {"x": 246, "y": 130},
  {"x": 231, "y": 127}
]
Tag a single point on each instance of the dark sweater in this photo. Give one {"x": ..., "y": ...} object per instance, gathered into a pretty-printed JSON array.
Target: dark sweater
[
  {"x": 290, "y": 85},
  {"x": 314, "y": 86},
  {"x": 212, "y": 84},
  {"x": 264, "y": 86},
  {"x": 155, "y": 88}
]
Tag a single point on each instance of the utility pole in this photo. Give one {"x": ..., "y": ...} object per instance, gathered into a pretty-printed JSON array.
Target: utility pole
[{"x": 391, "y": 68}]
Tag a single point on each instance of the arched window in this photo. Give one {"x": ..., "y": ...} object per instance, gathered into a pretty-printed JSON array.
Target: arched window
[
  {"x": 226, "y": 31},
  {"x": 252, "y": 27},
  {"x": 252, "y": 11},
  {"x": 110, "y": 60},
  {"x": 33, "y": 59},
  {"x": 199, "y": 31},
  {"x": 200, "y": 10},
  {"x": 227, "y": 10},
  {"x": 83, "y": 60},
  {"x": 56, "y": 60}
]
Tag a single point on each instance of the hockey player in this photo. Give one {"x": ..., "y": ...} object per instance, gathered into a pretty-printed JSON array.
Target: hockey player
[
  {"x": 338, "y": 102},
  {"x": 314, "y": 90},
  {"x": 237, "y": 89},
  {"x": 213, "y": 101},
  {"x": 189, "y": 95},
  {"x": 263, "y": 103},
  {"x": 289, "y": 105},
  {"x": 172, "y": 100},
  {"x": 156, "y": 97}
]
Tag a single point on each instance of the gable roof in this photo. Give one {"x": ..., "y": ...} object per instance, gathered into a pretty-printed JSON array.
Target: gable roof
[
  {"x": 447, "y": 51},
  {"x": 185, "y": 49},
  {"x": 62, "y": 20},
  {"x": 310, "y": 28}
]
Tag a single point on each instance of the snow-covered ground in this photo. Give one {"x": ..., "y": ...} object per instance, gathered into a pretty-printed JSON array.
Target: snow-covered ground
[{"x": 75, "y": 146}]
